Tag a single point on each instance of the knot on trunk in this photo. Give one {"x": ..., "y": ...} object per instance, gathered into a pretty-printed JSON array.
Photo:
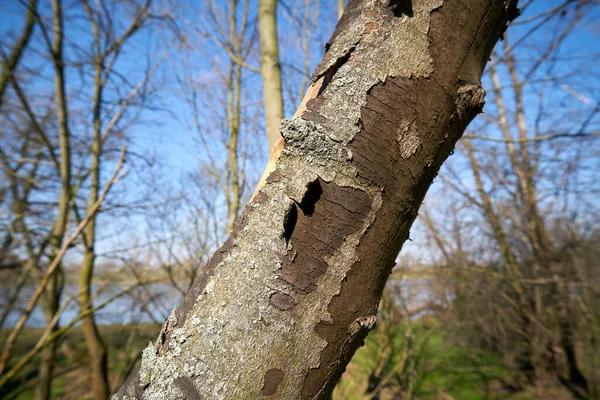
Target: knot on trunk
[{"x": 469, "y": 100}]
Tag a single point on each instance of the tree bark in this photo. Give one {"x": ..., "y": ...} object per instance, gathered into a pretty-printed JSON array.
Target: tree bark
[{"x": 284, "y": 303}]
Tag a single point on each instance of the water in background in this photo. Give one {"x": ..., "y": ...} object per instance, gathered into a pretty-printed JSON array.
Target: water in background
[{"x": 152, "y": 303}]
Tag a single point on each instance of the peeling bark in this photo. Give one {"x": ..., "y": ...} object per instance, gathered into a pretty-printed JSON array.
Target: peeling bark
[{"x": 288, "y": 298}]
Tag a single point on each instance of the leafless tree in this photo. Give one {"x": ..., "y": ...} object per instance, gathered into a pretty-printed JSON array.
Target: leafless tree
[{"x": 522, "y": 177}]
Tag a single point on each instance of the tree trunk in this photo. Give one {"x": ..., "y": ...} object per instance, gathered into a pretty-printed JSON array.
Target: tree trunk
[
  {"x": 270, "y": 69},
  {"x": 54, "y": 288},
  {"x": 340, "y": 8},
  {"x": 48, "y": 355},
  {"x": 234, "y": 88},
  {"x": 93, "y": 340},
  {"x": 284, "y": 303}
]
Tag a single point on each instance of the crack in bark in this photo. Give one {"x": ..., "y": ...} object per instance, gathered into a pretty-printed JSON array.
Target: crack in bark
[{"x": 333, "y": 69}]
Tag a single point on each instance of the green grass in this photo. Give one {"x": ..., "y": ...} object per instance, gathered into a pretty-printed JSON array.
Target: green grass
[
  {"x": 443, "y": 370},
  {"x": 71, "y": 373}
]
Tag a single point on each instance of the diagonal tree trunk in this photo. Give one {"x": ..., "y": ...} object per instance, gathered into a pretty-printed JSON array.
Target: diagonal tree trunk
[{"x": 288, "y": 298}]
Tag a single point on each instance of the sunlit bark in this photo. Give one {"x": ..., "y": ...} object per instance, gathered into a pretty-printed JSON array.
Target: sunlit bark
[{"x": 284, "y": 303}]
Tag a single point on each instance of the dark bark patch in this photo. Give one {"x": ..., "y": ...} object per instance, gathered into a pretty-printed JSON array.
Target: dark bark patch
[
  {"x": 390, "y": 152},
  {"x": 273, "y": 378},
  {"x": 312, "y": 111},
  {"x": 162, "y": 343},
  {"x": 329, "y": 214},
  {"x": 370, "y": 27},
  {"x": 371, "y": 13},
  {"x": 403, "y": 174},
  {"x": 281, "y": 301},
  {"x": 131, "y": 387},
  {"x": 260, "y": 198},
  {"x": 187, "y": 388},
  {"x": 274, "y": 176},
  {"x": 460, "y": 42}
]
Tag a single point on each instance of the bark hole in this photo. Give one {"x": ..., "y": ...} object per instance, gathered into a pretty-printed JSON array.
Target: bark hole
[
  {"x": 329, "y": 214},
  {"x": 401, "y": 7},
  {"x": 289, "y": 223},
  {"x": 328, "y": 76},
  {"x": 312, "y": 195},
  {"x": 307, "y": 205}
]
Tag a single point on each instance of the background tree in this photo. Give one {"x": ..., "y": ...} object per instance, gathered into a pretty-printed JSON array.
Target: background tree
[
  {"x": 270, "y": 69},
  {"x": 60, "y": 176},
  {"x": 519, "y": 290}
]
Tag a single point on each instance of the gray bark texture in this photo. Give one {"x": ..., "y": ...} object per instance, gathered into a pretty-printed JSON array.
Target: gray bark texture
[{"x": 285, "y": 302}]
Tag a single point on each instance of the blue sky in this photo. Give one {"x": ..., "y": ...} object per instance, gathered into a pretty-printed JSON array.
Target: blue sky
[{"x": 165, "y": 132}]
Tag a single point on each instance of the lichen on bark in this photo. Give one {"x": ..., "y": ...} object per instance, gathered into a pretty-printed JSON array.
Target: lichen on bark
[
  {"x": 300, "y": 276},
  {"x": 227, "y": 320}
]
